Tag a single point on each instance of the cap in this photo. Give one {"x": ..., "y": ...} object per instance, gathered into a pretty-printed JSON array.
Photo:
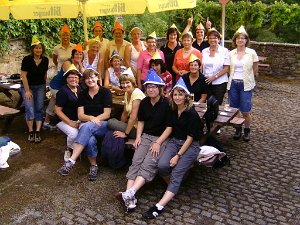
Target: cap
[
  {"x": 98, "y": 24},
  {"x": 156, "y": 55},
  {"x": 118, "y": 26},
  {"x": 153, "y": 78},
  {"x": 115, "y": 54},
  {"x": 200, "y": 27},
  {"x": 128, "y": 72},
  {"x": 136, "y": 28},
  {"x": 193, "y": 58},
  {"x": 35, "y": 40},
  {"x": 241, "y": 30},
  {"x": 72, "y": 67},
  {"x": 153, "y": 35},
  {"x": 78, "y": 48},
  {"x": 213, "y": 30},
  {"x": 65, "y": 29},
  {"x": 89, "y": 67},
  {"x": 180, "y": 83}
]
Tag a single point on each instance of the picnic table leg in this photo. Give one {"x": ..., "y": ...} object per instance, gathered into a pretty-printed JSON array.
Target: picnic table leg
[{"x": 7, "y": 121}]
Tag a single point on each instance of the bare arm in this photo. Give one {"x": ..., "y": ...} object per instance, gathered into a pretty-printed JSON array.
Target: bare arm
[
  {"x": 203, "y": 98},
  {"x": 28, "y": 94},
  {"x": 99, "y": 68},
  {"x": 106, "y": 79},
  {"x": 138, "y": 79},
  {"x": 127, "y": 55},
  {"x": 255, "y": 68},
  {"x": 139, "y": 131},
  {"x": 155, "y": 148},
  {"x": 225, "y": 70},
  {"x": 188, "y": 25},
  {"x": 54, "y": 59},
  {"x": 106, "y": 59}
]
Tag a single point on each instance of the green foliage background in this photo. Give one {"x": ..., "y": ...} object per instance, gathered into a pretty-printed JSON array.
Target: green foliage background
[{"x": 275, "y": 22}]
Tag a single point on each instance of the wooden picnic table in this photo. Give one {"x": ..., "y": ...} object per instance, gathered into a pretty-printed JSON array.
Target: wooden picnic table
[
  {"x": 7, "y": 113},
  {"x": 12, "y": 85}
]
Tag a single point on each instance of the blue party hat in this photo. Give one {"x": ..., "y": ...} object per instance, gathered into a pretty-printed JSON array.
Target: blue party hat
[
  {"x": 113, "y": 54},
  {"x": 153, "y": 78},
  {"x": 180, "y": 83},
  {"x": 89, "y": 67}
]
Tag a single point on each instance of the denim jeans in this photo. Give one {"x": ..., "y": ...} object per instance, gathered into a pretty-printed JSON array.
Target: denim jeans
[
  {"x": 34, "y": 108},
  {"x": 87, "y": 136},
  {"x": 238, "y": 98}
]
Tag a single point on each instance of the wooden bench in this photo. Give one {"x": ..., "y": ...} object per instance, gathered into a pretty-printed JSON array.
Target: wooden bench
[
  {"x": 263, "y": 66},
  {"x": 8, "y": 114}
]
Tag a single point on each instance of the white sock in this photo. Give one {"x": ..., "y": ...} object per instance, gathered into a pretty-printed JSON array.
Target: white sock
[
  {"x": 131, "y": 191},
  {"x": 159, "y": 207},
  {"x": 72, "y": 161}
]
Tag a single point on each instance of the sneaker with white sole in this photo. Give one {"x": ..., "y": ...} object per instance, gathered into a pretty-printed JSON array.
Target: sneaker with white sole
[
  {"x": 152, "y": 213},
  {"x": 48, "y": 126},
  {"x": 93, "y": 173},
  {"x": 66, "y": 168},
  {"x": 67, "y": 155},
  {"x": 128, "y": 203}
]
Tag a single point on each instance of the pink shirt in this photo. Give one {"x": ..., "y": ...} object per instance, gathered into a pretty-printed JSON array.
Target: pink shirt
[{"x": 144, "y": 62}]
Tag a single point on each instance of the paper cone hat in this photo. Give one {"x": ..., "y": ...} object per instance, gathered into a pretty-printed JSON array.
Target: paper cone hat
[
  {"x": 136, "y": 28},
  {"x": 97, "y": 39},
  {"x": 78, "y": 48},
  {"x": 72, "y": 67},
  {"x": 65, "y": 29},
  {"x": 98, "y": 24},
  {"x": 153, "y": 78},
  {"x": 153, "y": 35},
  {"x": 89, "y": 67},
  {"x": 156, "y": 55},
  {"x": 128, "y": 72},
  {"x": 193, "y": 58},
  {"x": 35, "y": 40},
  {"x": 118, "y": 26},
  {"x": 113, "y": 54},
  {"x": 214, "y": 31},
  {"x": 175, "y": 27},
  {"x": 241, "y": 30},
  {"x": 180, "y": 83},
  {"x": 200, "y": 26}
]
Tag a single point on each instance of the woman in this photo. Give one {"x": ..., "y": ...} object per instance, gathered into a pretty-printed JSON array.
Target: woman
[
  {"x": 144, "y": 59},
  {"x": 195, "y": 80},
  {"x": 59, "y": 81},
  {"x": 133, "y": 50},
  {"x": 170, "y": 48},
  {"x": 114, "y": 72},
  {"x": 182, "y": 56},
  {"x": 63, "y": 51},
  {"x": 94, "y": 108},
  {"x": 34, "y": 74},
  {"x": 243, "y": 68},
  {"x": 182, "y": 149},
  {"x": 66, "y": 107},
  {"x": 152, "y": 122},
  {"x": 216, "y": 65},
  {"x": 92, "y": 57},
  {"x": 126, "y": 128},
  {"x": 117, "y": 44},
  {"x": 158, "y": 65}
]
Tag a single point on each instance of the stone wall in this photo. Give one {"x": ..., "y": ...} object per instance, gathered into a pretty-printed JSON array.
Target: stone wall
[
  {"x": 10, "y": 63},
  {"x": 283, "y": 59}
]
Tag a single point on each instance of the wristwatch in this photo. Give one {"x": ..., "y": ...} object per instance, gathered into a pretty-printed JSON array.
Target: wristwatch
[{"x": 216, "y": 76}]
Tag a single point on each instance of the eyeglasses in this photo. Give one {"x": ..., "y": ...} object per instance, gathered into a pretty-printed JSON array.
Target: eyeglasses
[
  {"x": 151, "y": 87},
  {"x": 73, "y": 78},
  {"x": 240, "y": 38},
  {"x": 91, "y": 77}
]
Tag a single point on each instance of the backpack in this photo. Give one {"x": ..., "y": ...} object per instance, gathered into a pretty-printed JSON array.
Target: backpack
[
  {"x": 211, "y": 112},
  {"x": 112, "y": 150}
]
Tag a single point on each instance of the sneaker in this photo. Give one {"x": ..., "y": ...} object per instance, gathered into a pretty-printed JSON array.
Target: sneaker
[
  {"x": 31, "y": 136},
  {"x": 93, "y": 173},
  {"x": 152, "y": 213},
  {"x": 128, "y": 203},
  {"x": 66, "y": 168},
  {"x": 67, "y": 155},
  {"x": 37, "y": 137},
  {"x": 246, "y": 136},
  {"x": 238, "y": 133},
  {"x": 48, "y": 126}
]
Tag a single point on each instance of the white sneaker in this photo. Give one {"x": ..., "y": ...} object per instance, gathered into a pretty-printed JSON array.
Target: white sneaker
[{"x": 67, "y": 155}]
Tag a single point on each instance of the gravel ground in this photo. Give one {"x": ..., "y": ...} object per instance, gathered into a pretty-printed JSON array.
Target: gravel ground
[{"x": 261, "y": 186}]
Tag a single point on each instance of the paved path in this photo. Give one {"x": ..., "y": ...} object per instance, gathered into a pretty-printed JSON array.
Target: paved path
[{"x": 262, "y": 185}]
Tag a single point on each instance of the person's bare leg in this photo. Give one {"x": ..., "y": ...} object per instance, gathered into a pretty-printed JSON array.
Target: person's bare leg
[
  {"x": 93, "y": 161},
  {"x": 247, "y": 118},
  {"x": 78, "y": 148},
  {"x": 138, "y": 183},
  {"x": 29, "y": 125},
  {"x": 129, "y": 184},
  {"x": 38, "y": 125},
  {"x": 166, "y": 198}
]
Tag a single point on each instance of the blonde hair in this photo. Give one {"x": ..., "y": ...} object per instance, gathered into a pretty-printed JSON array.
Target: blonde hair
[
  {"x": 93, "y": 42},
  {"x": 125, "y": 77},
  {"x": 188, "y": 102}
]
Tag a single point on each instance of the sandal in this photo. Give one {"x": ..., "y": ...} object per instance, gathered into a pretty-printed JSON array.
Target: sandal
[
  {"x": 37, "y": 137},
  {"x": 31, "y": 136}
]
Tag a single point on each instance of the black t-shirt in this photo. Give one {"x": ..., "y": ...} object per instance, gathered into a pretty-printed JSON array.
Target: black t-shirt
[
  {"x": 35, "y": 74},
  {"x": 169, "y": 57},
  {"x": 154, "y": 116},
  {"x": 199, "y": 87},
  {"x": 202, "y": 46},
  {"x": 188, "y": 124},
  {"x": 67, "y": 99},
  {"x": 95, "y": 106}
]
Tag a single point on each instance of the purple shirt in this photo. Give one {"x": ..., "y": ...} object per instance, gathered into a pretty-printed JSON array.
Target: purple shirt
[{"x": 144, "y": 62}]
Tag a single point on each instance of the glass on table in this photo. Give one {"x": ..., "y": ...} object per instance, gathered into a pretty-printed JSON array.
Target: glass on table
[{"x": 227, "y": 107}]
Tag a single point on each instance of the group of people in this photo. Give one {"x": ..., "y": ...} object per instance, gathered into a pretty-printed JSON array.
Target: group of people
[{"x": 159, "y": 87}]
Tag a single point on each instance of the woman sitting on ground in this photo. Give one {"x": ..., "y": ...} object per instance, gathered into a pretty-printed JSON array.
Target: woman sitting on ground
[
  {"x": 182, "y": 149},
  {"x": 158, "y": 65},
  {"x": 152, "y": 121},
  {"x": 195, "y": 80},
  {"x": 66, "y": 108},
  {"x": 94, "y": 108},
  {"x": 132, "y": 98},
  {"x": 114, "y": 72}
]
